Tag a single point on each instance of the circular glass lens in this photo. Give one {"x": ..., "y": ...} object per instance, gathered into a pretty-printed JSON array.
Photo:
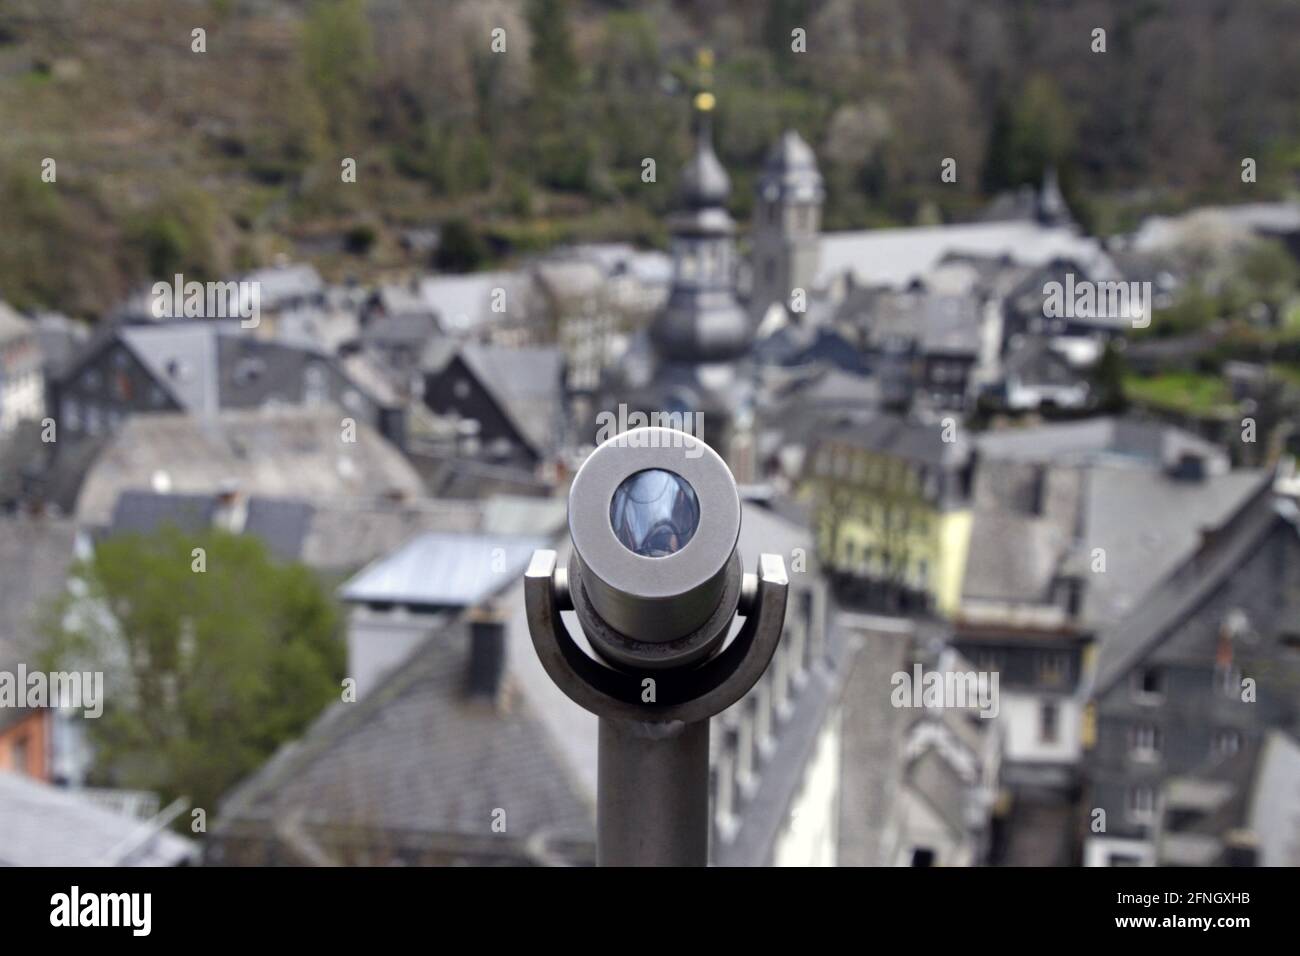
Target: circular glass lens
[{"x": 654, "y": 513}]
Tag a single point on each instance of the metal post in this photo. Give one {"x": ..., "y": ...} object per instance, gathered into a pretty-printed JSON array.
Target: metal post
[
  {"x": 654, "y": 610},
  {"x": 653, "y": 793}
]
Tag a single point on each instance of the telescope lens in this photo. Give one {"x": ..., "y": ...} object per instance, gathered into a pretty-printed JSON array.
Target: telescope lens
[{"x": 654, "y": 513}]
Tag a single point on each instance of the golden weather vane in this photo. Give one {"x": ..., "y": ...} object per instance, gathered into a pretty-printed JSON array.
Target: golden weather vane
[{"x": 704, "y": 99}]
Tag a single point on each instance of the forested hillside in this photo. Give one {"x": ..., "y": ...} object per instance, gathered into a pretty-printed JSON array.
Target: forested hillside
[{"x": 206, "y": 162}]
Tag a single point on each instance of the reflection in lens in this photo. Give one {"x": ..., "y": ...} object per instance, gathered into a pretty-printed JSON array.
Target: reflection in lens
[{"x": 654, "y": 513}]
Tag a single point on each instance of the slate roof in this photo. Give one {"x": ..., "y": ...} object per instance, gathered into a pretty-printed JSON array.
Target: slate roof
[
  {"x": 337, "y": 536},
  {"x": 895, "y": 257},
  {"x": 1149, "y": 523},
  {"x": 903, "y": 438},
  {"x": 1034, "y": 362},
  {"x": 207, "y": 366},
  {"x": 183, "y": 358},
  {"x": 35, "y": 554},
  {"x": 61, "y": 338},
  {"x": 1200, "y": 574},
  {"x": 41, "y": 825},
  {"x": 144, "y": 512},
  {"x": 525, "y": 383},
  {"x": 703, "y": 183},
  {"x": 936, "y": 324},
  {"x": 1107, "y": 440},
  {"x": 284, "y": 285},
  {"x": 344, "y": 535},
  {"x": 276, "y": 452},
  {"x": 437, "y": 570},
  {"x": 464, "y": 302},
  {"x": 1268, "y": 218},
  {"x": 282, "y": 525},
  {"x": 650, "y": 267},
  {"x": 790, "y": 171},
  {"x": 569, "y": 277},
  {"x": 1016, "y": 553},
  {"x": 835, "y": 387},
  {"x": 416, "y": 754}
]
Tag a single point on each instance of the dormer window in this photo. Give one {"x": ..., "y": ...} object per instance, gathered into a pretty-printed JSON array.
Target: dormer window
[{"x": 1148, "y": 685}]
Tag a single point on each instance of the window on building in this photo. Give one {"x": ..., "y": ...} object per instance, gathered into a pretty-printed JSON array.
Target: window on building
[
  {"x": 807, "y": 610},
  {"x": 1053, "y": 666},
  {"x": 1148, "y": 684},
  {"x": 72, "y": 414},
  {"x": 1228, "y": 679},
  {"x": 1144, "y": 742},
  {"x": 1049, "y": 722},
  {"x": 1141, "y": 804},
  {"x": 122, "y": 388},
  {"x": 314, "y": 385},
  {"x": 922, "y": 856},
  {"x": 1225, "y": 742}
]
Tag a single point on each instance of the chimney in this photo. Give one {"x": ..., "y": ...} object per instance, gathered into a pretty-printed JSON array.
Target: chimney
[
  {"x": 487, "y": 653},
  {"x": 232, "y": 508}
]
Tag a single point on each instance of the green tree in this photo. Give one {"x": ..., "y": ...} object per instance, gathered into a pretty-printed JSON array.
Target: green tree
[
  {"x": 555, "y": 66},
  {"x": 779, "y": 19},
  {"x": 1029, "y": 136},
  {"x": 207, "y": 669},
  {"x": 1268, "y": 274},
  {"x": 460, "y": 248},
  {"x": 177, "y": 233},
  {"x": 338, "y": 55},
  {"x": 1108, "y": 381}
]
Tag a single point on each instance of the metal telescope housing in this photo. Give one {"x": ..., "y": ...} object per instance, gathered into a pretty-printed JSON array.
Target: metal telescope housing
[{"x": 655, "y": 581}]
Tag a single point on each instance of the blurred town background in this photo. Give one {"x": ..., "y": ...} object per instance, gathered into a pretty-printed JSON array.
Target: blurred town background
[{"x": 993, "y": 310}]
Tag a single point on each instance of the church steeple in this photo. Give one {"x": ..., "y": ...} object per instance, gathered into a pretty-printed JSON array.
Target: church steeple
[
  {"x": 787, "y": 223},
  {"x": 702, "y": 321}
]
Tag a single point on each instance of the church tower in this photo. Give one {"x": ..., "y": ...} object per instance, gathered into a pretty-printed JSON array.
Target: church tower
[
  {"x": 787, "y": 223},
  {"x": 702, "y": 321},
  {"x": 702, "y": 337}
]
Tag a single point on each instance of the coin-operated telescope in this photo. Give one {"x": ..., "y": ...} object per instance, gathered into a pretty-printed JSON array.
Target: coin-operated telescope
[{"x": 655, "y": 582}]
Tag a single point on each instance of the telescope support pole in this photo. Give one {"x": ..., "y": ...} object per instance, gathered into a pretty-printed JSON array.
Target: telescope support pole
[{"x": 652, "y": 806}]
